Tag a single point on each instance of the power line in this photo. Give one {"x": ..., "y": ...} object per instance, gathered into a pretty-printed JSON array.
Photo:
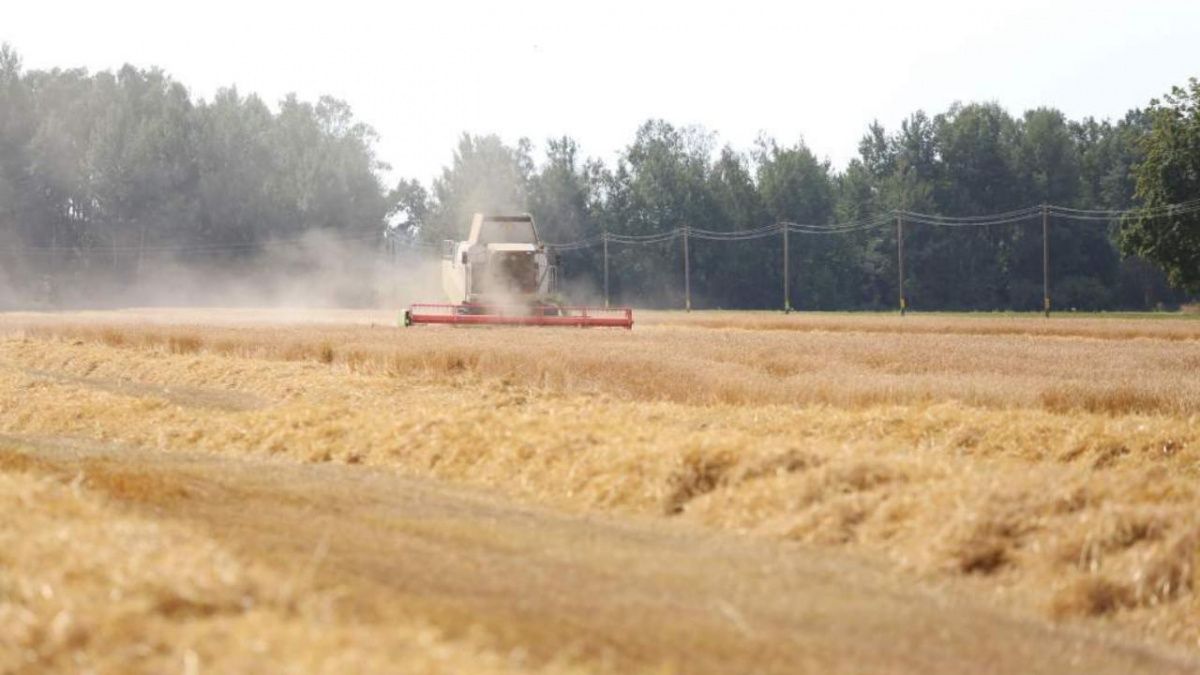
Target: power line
[
  {"x": 840, "y": 228},
  {"x": 1001, "y": 216},
  {"x": 1168, "y": 211},
  {"x": 935, "y": 222},
  {"x": 1187, "y": 206},
  {"x": 912, "y": 217}
]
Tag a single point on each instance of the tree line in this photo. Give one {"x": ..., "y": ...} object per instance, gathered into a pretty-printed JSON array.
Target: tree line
[
  {"x": 971, "y": 160},
  {"x": 101, "y": 172}
]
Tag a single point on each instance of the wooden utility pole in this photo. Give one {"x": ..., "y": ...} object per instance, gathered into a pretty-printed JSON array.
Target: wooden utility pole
[
  {"x": 1046, "y": 260},
  {"x": 604, "y": 237},
  {"x": 687, "y": 273},
  {"x": 787, "y": 292},
  {"x": 141, "y": 253},
  {"x": 900, "y": 262}
]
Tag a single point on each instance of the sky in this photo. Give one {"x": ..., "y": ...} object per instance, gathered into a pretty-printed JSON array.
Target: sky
[{"x": 423, "y": 73}]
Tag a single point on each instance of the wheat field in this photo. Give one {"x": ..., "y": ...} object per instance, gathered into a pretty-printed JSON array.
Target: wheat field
[{"x": 1045, "y": 467}]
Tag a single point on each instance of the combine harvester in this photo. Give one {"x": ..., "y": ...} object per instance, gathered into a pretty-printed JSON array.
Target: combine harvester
[{"x": 503, "y": 275}]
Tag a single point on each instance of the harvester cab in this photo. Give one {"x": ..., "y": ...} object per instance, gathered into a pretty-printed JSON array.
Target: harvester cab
[
  {"x": 503, "y": 274},
  {"x": 501, "y": 262}
]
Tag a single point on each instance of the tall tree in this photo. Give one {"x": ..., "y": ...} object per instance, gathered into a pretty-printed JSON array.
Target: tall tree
[
  {"x": 1170, "y": 174},
  {"x": 409, "y": 206},
  {"x": 662, "y": 182},
  {"x": 236, "y": 156},
  {"x": 797, "y": 187},
  {"x": 743, "y": 273},
  {"x": 559, "y": 193},
  {"x": 485, "y": 175}
]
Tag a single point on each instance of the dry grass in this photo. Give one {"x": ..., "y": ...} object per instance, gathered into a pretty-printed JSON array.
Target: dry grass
[
  {"x": 1116, "y": 366},
  {"x": 1049, "y": 471},
  {"x": 88, "y": 587},
  {"x": 1119, "y": 327}
]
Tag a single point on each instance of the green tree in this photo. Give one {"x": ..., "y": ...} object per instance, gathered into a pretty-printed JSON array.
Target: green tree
[
  {"x": 563, "y": 199},
  {"x": 325, "y": 169},
  {"x": 485, "y": 176},
  {"x": 559, "y": 194},
  {"x": 141, "y": 160},
  {"x": 236, "y": 156},
  {"x": 745, "y": 273},
  {"x": 797, "y": 187},
  {"x": 663, "y": 179},
  {"x": 1170, "y": 174},
  {"x": 1049, "y": 164},
  {"x": 409, "y": 204}
]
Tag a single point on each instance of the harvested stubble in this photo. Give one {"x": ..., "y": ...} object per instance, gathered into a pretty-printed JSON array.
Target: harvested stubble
[
  {"x": 1115, "y": 367},
  {"x": 1179, "y": 326},
  {"x": 1053, "y": 472},
  {"x": 87, "y": 587}
]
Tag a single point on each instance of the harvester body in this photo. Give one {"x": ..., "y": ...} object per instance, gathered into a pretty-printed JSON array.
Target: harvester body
[
  {"x": 502, "y": 262},
  {"x": 503, "y": 274}
]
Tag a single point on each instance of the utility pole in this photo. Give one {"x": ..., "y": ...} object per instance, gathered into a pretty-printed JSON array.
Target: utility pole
[
  {"x": 687, "y": 273},
  {"x": 787, "y": 292},
  {"x": 900, "y": 261},
  {"x": 392, "y": 236},
  {"x": 1046, "y": 259},
  {"x": 141, "y": 253},
  {"x": 604, "y": 238}
]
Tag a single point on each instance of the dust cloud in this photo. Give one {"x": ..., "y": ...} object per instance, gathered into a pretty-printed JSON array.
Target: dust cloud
[{"x": 317, "y": 270}]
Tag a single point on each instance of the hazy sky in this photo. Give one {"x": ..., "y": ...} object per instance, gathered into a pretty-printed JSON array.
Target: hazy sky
[{"x": 422, "y": 73}]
